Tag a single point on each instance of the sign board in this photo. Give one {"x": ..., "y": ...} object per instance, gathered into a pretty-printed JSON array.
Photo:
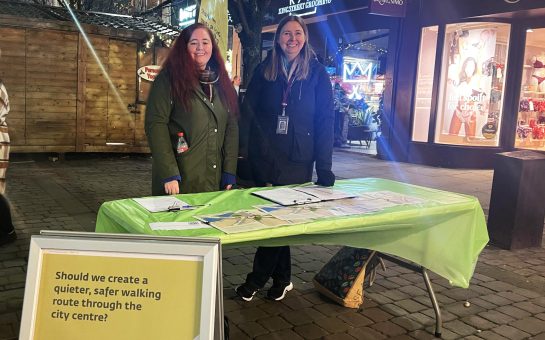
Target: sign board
[
  {"x": 109, "y": 286},
  {"x": 392, "y": 8},
  {"x": 149, "y": 72},
  {"x": 356, "y": 70}
]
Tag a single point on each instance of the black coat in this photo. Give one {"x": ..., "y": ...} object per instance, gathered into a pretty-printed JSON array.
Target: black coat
[{"x": 288, "y": 159}]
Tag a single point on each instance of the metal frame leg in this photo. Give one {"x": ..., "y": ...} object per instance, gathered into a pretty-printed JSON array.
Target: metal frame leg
[
  {"x": 431, "y": 293},
  {"x": 438, "y": 319}
]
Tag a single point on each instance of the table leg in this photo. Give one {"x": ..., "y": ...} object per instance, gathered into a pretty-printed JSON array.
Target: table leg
[{"x": 423, "y": 271}]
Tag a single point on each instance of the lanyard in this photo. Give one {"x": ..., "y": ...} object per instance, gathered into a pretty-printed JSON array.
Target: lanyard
[{"x": 291, "y": 78}]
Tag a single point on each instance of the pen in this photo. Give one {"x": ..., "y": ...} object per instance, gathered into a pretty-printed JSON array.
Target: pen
[{"x": 185, "y": 207}]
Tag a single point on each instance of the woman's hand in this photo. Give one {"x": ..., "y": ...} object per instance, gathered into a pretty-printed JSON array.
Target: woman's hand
[
  {"x": 229, "y": 187},
  {"x": 172, "y": 187}
]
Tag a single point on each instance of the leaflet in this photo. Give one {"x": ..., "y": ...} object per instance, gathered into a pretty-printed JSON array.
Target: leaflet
[{"x": 162, "y": 203}]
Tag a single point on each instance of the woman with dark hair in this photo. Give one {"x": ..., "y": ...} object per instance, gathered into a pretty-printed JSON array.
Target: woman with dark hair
[
  {"x": 289, "y": 103},
  {"x": 192, "y": 100}
]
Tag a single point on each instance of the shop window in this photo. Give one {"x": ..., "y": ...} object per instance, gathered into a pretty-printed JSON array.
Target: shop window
[
  {"x": 530, "y": 132},
  {"x": 424, "y": 83},
  {"x": 471, "y": 85}
]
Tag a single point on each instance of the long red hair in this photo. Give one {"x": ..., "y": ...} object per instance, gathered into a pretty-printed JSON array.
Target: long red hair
[{"x": 184, "y": 72}]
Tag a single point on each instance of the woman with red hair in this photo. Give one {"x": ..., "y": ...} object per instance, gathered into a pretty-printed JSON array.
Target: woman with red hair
[{"x": 193, "y": 98}]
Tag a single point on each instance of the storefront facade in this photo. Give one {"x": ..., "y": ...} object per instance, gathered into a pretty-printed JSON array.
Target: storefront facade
[{"x": 470, "y": 82}]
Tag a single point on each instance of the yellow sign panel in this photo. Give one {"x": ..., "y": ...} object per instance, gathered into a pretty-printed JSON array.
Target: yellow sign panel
[
  {"x": 213, "y": 13},
  {"x": 89, "y": 296}
]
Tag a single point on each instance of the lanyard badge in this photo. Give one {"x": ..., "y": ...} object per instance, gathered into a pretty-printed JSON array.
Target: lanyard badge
[{"x": 282, "y": 122}]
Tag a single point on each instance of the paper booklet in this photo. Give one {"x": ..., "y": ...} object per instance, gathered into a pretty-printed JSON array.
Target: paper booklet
[{"x": 301, "y": 195}]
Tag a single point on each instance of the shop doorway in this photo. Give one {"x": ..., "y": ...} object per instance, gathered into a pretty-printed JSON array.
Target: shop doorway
[{"x": 359, "y": 89}]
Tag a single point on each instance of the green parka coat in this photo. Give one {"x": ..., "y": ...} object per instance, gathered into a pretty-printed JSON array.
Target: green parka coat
[{"x": 209, "y": 129}]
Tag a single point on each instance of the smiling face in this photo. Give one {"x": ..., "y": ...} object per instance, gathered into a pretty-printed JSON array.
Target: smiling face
[
  {"x": 199, "y": 47},
  {"x": 292, "y": 39}
]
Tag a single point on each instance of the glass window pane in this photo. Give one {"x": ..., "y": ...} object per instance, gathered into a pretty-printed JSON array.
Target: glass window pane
[
  {"x": 531, "y": 116},
  {"x": 424, "y": 83},
  {"x": 472, "y": 83}
]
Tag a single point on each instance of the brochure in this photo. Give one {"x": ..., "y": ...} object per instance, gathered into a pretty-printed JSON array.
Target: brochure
[{"x": 242, "y": 221}]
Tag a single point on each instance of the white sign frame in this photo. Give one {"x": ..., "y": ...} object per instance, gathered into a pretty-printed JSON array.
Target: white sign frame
[{"x": 208, "y": 249}]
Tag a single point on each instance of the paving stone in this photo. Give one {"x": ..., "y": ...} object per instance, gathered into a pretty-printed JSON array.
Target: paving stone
[
  {"x": 338, "y": 336},
  {"x": 407, "y": 323},
  {"x": 459, "y": 327},
  {"x": 460, "y": 310},
  {"x": 413, "y": 291},
  {"x": 539, "y": 337},
  {"x": 422, "y": 335},
  {"x": 530, "y": 325},
  {"x": 396, "y": 295},
  {"x": 515, "y": 312},
  {"x": 296, "y": 302},
  {"x": 496, "y": 317},
  {"x": 410, "y": 305},
  {"x": 527, "y": 293},
  {"x": 310, "y": 331},
  {"x": 278, "y": 335},
  {"x": 246, "y": 314},
  {"x": 274, "y": 323},
  {"x": 499, "y": 286},
  {"x": 252, "y": 328},
  {"x": 376, "y": 314},
  {"x": 478, "y": 323},
  {"x": 302, "y": 316},
  {"x": 511, "y": 332},
  {"x": 540, "y": 316},
  {"x": 483, "y": 303},
  {"x": 381, "y": 299},
  {"x": 399, "y": 281},
  {"x": 390, "y": 308},
  {"x": 401, "y": 337},
  {"x": 490, "y": 335},
  {"x": 334, "y": 324},
  {"x": 275, "y": 308},
  {"x": 445, "y": 333},
  {"x": 512, "y": 296},
  {"x": 366, "y": 333},
  {"x": 331, "y": 309},
  {"x": 529, "y": 307},
  {"x": 388, "y": 328},
  {"x": 355, "y": 319}
]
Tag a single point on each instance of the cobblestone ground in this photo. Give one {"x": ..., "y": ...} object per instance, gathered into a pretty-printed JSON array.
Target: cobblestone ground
[{"x": 506, "y": 295}]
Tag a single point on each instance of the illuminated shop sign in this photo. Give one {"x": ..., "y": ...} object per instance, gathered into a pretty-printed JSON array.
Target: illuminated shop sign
[
  {"x": 302, "y": 7},
  {"x": 187, "y": 16},
  {"x": 359, "y": 70},
  {"x": 393, "y": 8}
]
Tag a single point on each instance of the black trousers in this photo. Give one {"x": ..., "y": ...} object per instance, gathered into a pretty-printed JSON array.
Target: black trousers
[
  {"x": 270, "y": 262},
  {"x": 6, "y": 225}
]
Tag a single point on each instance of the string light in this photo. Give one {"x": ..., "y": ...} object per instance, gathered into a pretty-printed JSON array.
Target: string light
[{"x": 156, "y": 39}]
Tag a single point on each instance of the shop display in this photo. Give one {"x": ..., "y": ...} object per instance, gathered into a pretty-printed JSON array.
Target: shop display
[
  {"x": 530, "y": 129},
  {"x": 471, "y": 93}
]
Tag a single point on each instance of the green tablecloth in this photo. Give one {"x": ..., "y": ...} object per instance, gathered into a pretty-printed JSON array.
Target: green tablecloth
[{"x": 445, "y": 234}]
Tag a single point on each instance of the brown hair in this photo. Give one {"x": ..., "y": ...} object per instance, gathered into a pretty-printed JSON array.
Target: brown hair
[
  {"x": 184, "y": 72},
  {"x": 274, "y": 63}
]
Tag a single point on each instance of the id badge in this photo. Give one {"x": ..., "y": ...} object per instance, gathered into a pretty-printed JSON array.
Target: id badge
[{"x": 282, "y": 125}]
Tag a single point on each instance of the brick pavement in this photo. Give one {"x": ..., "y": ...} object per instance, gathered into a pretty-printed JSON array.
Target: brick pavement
[{"x": 507, "y": 292}]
